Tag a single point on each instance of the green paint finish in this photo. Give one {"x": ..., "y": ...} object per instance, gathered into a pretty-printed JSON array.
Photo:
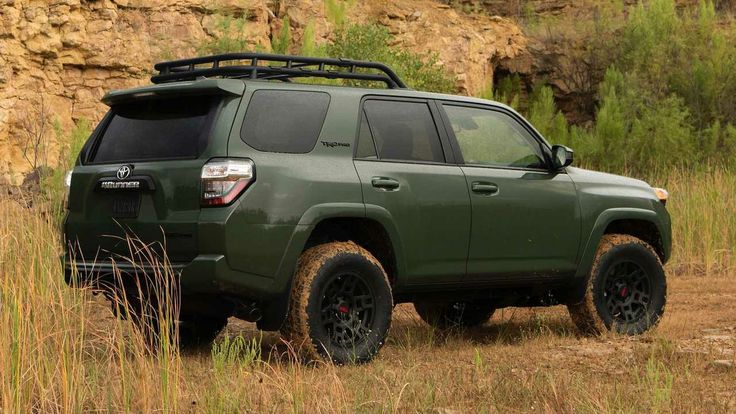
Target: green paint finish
[
  {"x": 429, "y": 205},
  {"x": 529, "y": 223},
  {"x": 449, "y": 225}
]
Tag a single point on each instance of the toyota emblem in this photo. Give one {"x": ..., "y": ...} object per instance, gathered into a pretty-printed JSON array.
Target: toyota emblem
[{"x": 124, "y": 172}]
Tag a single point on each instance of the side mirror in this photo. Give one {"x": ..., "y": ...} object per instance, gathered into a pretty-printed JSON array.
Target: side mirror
[{"x": 561, "y": 156}]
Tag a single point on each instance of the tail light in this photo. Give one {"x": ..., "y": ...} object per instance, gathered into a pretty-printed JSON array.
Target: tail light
[
  {"x": 67, "y": 187},
  {"x": 223, "y": 180}
]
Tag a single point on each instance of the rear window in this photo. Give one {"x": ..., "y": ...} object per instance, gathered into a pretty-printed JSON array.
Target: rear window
[
  {"x": 284, "y": 121},
  {"x": 157, "y": 129}
]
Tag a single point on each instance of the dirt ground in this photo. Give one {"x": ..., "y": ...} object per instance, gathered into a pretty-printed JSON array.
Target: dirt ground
[{"x": 523, "y": 360}]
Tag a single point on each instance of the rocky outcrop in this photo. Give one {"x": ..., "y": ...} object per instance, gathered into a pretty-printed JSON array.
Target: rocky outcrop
[
  {"x": 469, "y": 46},
  {"x": 63, "y": 55},
  {"x": 67, "y": 53}
]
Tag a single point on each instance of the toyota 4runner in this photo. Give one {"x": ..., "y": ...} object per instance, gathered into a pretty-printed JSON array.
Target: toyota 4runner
[{"x": 315, "y": 208}]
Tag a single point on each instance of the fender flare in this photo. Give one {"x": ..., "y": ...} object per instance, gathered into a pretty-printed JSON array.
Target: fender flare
[
  {"x": 275, "y": 314},
  {"x": 604, "y": 219}
]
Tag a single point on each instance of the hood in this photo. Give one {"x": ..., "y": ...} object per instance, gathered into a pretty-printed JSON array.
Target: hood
[
  {"x": 588, "y": 176},
  {"x": 604, "y": 184}
]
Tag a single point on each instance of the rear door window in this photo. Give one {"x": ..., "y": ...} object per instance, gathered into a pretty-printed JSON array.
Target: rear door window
[
  {"x": 157, "y": 129},
  {"x": 284, "y": 121},
  {"x": 404, "y": 131}
]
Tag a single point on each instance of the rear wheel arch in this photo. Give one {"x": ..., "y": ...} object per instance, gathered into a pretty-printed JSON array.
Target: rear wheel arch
[
  {"x": 333, "y": 223},
  {"x": 365, "y": 232}
]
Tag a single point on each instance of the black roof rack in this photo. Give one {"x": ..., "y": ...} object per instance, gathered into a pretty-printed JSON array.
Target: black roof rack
[{"x": 286, "y": 67}]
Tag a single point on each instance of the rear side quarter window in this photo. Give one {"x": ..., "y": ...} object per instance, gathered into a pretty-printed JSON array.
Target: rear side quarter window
[{"x": 284, "y": 121}]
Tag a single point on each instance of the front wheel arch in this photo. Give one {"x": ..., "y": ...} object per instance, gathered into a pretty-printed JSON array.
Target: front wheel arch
[{"x": 618, "y": 220}]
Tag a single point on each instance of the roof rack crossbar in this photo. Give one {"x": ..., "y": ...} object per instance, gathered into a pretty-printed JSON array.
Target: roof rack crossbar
[{"x": 291, "y": 66}]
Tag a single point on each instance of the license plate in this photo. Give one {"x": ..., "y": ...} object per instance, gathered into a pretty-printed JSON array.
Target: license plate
[{"x": 126, "y": 205}]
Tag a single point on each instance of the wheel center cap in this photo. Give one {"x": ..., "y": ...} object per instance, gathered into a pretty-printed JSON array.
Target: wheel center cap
[
  {"x": 624, "y": 292},
  {"x": 343, "y": 309}
]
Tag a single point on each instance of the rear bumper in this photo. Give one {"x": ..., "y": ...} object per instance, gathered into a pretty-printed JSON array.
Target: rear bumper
[
  {"x": 206, "y": 274},
  {"x": 207, "y": 286}
]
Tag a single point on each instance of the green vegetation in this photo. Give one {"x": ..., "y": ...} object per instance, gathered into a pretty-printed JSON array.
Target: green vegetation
[
  {"x": 231, "y": 37},
  {"x": 280, "y": 44},
  {"x": 667, "y": 99},
  {"x": 336, "y": 11},
  {"x": 353, "y": 41},
  {"x": 372, "y": 42},
  {"x": 309, "y": 43}
]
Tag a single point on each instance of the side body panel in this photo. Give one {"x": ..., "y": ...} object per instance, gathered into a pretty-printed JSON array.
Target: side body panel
[
  {"x": 292, "y": 192},
  {"x": 529, "y": 230},
  {"x": 430, "y": 209}
]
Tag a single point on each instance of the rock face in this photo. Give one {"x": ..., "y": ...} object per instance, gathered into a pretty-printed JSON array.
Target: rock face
[{"x": 58, "y": 57}]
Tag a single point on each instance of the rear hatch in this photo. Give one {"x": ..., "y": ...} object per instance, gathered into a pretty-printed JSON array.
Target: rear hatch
[{"x": 139, "y": 174}]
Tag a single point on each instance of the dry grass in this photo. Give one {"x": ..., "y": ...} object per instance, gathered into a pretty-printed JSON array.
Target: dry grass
[{"x": 61, "y": 350}]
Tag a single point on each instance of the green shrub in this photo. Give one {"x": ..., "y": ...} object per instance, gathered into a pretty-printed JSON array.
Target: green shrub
[
  {"x": 280, "y": 44},
  {"x": 232, "y": 37},
  {"x": 682, "y": 64},
  {"x": 669, "y": 100},
  {"x": 309, "y": 42},
  {"x": 545, "y": 117},
  {"x": 507, "y": 92},
  {"x": 372, "y": 42},
  {"x": 336, "y": 11}
]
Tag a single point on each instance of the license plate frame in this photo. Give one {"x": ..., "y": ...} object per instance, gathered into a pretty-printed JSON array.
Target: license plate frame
[{"x": 125, "y": 205}]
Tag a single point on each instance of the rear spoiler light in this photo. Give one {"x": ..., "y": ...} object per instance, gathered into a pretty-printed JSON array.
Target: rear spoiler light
[{"x": 224, "y": 180}]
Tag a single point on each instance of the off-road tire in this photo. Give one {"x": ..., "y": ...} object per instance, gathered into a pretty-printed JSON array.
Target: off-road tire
[
  {"x": 611, "y": 300},
  {"x": 450, "y": 315},
  {"x": 320, "y": 321}
]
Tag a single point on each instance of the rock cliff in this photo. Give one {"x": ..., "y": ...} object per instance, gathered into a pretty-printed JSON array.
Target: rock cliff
[{"x": 58, "y": 57}]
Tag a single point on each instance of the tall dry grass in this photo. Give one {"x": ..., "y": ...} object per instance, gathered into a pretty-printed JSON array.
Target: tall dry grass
[
  {"x": 62, "y": 351},
  {"x": 703, "y": 209}
]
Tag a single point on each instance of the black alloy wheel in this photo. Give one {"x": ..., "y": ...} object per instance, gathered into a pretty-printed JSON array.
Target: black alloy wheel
[
  {"x": 347, "y": 310},
  {"x": 626, "y": 292}
]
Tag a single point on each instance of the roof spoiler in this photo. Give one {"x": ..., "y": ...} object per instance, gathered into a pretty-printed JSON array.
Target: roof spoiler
[{"x": 205, "y": 87}]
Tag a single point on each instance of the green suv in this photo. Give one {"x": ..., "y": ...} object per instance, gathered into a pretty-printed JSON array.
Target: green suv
[{"x": 314, "y": 209}]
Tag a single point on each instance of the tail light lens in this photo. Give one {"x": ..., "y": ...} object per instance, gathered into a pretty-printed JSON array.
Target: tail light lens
[
  {"x": 68, "y": 187},
  {"x": 224, "y": 180}
]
